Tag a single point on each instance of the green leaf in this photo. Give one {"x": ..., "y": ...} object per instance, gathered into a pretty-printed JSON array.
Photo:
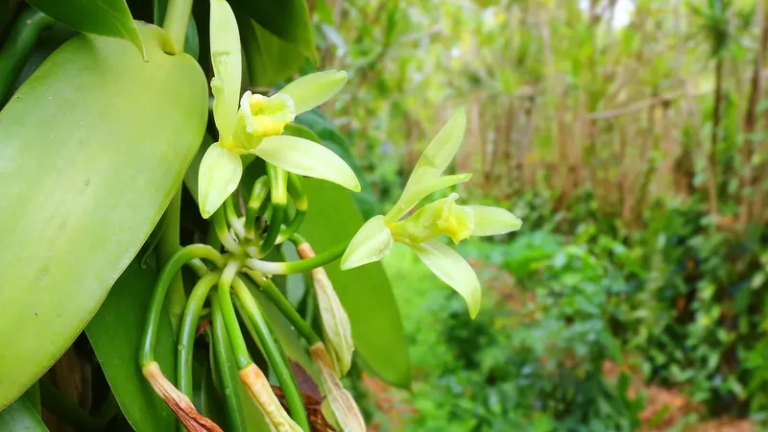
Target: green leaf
[
  {"x": 297, "y": 130},
  {"x": 289, "y": 20},
  {"x": 325, "y": 133},
  {"x": 115, "y": 333},
  {"x": 101, "y": 17},
  {"x": 21, "y": 417},
  {"x": 82, "y": 190},
  {"x": 270, "y": 59},
  {"x": 365, "y": 292}
]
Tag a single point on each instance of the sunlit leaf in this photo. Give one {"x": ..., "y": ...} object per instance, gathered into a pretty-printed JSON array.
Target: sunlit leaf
[{"x": 84, "y": 189}]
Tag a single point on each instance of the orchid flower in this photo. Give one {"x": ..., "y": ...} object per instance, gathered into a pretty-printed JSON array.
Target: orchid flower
[
  {"x": 420, "y": 231},
  {"x": 254, "y": 123}
]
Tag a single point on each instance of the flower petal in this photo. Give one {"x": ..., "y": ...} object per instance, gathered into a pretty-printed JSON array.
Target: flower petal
[
  {"x": 439, "y": 152},
  {"x": 227, "y": 67},
  {"x": 314, "y": 89},
  {"x": 304, "y": 157},
  {"x": 371, "y": 243},
  {"x": 494, "y": 221},
  {"x": 452, "y": 269},
  {"x": 220, "y": 172},
  {"x": 418, "y": 193}
]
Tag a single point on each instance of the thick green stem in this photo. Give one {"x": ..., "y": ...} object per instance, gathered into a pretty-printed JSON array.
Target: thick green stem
[
  {"x": 255, "y": 204},
  {"x": 168, "y": 245},
  {"x": 188, "y": 331},
  {"x": 227, "y": 366},
  {"x": 176, "y": 21},
  {"x": 278, "y": 192},
  {"x": 284, "y": 306},
  {"x": 300, "y": 202},
  {"x": 183, "y": 256},
  {"x": 220, "y": 226},
  {"x": 242, "y": 357},
  {"x": 287, "y": 231},
  {"x": 274, "y": 355},
  {"x": 300, "y": 266},
  {"x": 311, "y": 306},
  {"x": 232, "y": 218},
  {"x": 19, "y": 44}
]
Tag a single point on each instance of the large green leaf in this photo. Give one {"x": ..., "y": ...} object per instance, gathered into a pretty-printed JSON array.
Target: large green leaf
[
  {"x": 93, "y": 147},
  {"x": 288, "y": 19},
  {"x": 21, "y": 416},
  {"x": 327, "y": 135},
  {"x": 115, "y": 333},
  {"x": 365, "y": 293},
  {"x": 270, "y": 59},
  {"x": 101, "y": 17}
]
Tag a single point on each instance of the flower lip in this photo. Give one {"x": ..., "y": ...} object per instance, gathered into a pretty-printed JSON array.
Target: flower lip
[
  {"x": 457, "y": 222},
  {"x": 265, "y": 116}
]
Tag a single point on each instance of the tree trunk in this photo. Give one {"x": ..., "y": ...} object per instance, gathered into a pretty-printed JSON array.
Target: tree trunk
[
  {"x": 712, "y": 180},
  {"x": 750, "y": 123}
]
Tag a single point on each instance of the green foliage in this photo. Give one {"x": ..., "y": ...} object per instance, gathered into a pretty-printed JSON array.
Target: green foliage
[
  {"x": 102, "y": 17},
  {"x": 115, "y": 334},
  {"x": 21, "y": 416},
  {"x": 129, "y": 160},
  {"x": 365, "y": 291},
  {"x": 533, "y": 359}
]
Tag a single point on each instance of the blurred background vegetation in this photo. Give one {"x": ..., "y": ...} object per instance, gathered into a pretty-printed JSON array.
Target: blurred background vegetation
[{"x": 629, "y": 135}]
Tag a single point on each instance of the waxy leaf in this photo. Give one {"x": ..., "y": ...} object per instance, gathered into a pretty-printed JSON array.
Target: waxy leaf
[
  {"x": 115, "y": 333},
  {"x": 270, "y": 59},
  {"x": 101, "y": 17},
  {"x": 21, "y": 416},
  {"x": 289, "y": 20},
  {"x": 364, "y": 291},
  {"x": 92, "y": 148}
]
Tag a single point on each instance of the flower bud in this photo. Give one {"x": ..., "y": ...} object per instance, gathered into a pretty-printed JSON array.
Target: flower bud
[{"x": 336, "y": 327}]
